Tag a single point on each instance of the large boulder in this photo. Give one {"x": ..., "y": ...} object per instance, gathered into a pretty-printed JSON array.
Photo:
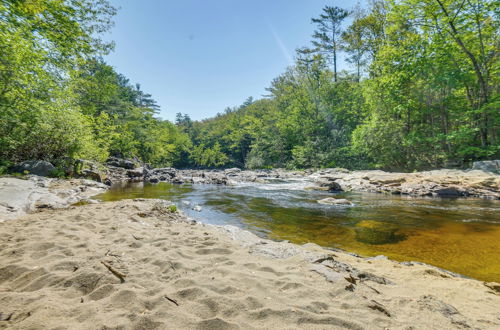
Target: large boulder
[
  {"x": 487, "y": 166},
  {"x": 160, "y": 174},
  {"x": 136, "y": 173},
  {"x": 450, "y": 192},
  {"x": 91, "y": 170},
  {"x": 36, "y": 167},
  {"x": 123, "y": 163},
  {"x": 327, "y": 183}
]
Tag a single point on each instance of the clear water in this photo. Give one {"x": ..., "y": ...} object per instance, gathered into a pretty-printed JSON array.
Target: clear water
[{"x": 461, "y": 235}]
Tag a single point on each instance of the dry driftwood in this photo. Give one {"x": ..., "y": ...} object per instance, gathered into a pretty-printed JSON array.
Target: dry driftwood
[
  {"x": 172, "y": 300},
  {"x": 118, "y": 274}
]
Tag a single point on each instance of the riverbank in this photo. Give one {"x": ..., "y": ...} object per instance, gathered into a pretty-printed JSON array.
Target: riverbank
[
  {"x": 482, "y": 181},
  {"x": 19, "y": 196},
  {"x": 138, "y": 264},
  {"x": 437, "y": 183}
]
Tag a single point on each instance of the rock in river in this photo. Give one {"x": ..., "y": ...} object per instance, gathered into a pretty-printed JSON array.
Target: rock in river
[
  {"x": 334, "y": 201},
  {"x": 376, "y": 232}
]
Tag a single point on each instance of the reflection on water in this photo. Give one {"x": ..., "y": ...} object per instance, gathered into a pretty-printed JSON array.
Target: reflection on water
[{"x": 462, "y": 235}]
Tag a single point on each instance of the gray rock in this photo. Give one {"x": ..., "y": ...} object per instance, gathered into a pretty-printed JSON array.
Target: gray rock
[
  {"x": 135, "y": 173},
  {"x": 123, "y": 163},
  {"x": 178, "y": 180},
  {"x": 232, "y": 171},
  {"x": 18, "y": 197},
  {"x": 328, "y": 184},
  {"x": 449, "y": 192},
  {"x": 487, "y": 165},
  {"x": 36, "y": 167},
  {"x": 334, "y": 201},
  {"x": 91, "y": 174},
  {"x": 160, "y": 174}
]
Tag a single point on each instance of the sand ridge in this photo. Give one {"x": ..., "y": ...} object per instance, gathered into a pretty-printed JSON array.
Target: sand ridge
[{"x": 182, "y": 275}]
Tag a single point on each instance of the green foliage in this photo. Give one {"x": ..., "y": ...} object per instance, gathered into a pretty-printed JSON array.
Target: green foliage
[
  {"x": 422, "y": 93},
  {"x": 209, "y": 156},
  {"x": 428, "y": 98},
  {"x": 172, "y": 208},
  {"x": 59, "y": 101}
]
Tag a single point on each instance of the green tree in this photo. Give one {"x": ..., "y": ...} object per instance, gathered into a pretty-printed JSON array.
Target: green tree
[{"x": 326, "y": 38}]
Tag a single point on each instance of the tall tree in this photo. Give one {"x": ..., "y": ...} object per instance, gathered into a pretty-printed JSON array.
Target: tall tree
[
  {"x": 353, "y": 41},
  {"x": 327, "y": 36}
]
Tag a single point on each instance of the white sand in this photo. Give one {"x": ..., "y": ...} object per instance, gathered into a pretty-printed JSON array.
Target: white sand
[{"x": 181, "y": 275}]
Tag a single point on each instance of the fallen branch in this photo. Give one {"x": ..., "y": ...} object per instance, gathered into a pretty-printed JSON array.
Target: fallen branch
[
  {"x": 172, "y": 300},
  {"x": 121, "y": 276}
]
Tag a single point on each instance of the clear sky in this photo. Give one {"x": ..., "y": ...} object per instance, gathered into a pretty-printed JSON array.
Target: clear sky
[{"x": 201, "y": 56}]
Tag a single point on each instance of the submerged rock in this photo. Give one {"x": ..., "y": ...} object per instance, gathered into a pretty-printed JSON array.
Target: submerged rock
[{"x": 376, "y": 232}]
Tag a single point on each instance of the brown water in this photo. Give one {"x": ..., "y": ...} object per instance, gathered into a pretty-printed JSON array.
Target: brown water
[{"x": 461, "y": 235}]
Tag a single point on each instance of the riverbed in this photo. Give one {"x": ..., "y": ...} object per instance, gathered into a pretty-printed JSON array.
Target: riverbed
[{"x": 460, "y": 235}]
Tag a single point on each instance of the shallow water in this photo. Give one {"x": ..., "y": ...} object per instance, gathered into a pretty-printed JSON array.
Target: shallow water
[{"x": 461, "y": 235}]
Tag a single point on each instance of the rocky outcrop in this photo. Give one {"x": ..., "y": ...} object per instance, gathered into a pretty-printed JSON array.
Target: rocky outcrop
[
  {"x": 438, "y": 183},
  {"x": 120, "y": 170},
  {"x": 128, "y": 164},
  {"x": 21, "y": 196},
  {"x": 155, "y": 175},
  {"x": 36, "y": 167},
  {"x": 487, "y": 166},
  {"x": 90, "y": 170}
]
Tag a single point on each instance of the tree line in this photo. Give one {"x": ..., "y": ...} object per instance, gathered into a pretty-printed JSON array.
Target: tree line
[{"x": 421, "y": 92}]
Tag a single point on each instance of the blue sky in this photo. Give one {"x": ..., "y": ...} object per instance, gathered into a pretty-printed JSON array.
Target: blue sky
[{"x": 201, "y": 56}]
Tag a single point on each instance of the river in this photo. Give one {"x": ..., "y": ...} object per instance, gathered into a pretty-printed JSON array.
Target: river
[{"x": 460, "y": 235}]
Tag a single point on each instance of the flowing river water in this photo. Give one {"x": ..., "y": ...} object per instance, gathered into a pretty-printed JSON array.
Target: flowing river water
[{"x": 461, "y": 235}]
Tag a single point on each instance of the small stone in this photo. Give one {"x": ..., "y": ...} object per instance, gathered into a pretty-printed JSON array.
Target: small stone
[{"x": 334, "y": 201}]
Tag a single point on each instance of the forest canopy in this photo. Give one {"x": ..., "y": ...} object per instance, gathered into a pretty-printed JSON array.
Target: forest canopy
[{"x": 421, "y": 92}]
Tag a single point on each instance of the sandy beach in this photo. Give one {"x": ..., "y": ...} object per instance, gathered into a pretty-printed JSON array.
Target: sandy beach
[{"x": 135, "y": 264}]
